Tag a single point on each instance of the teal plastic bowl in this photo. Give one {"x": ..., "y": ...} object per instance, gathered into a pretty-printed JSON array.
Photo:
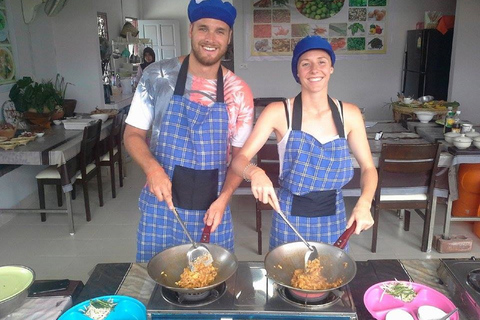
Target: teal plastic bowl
[{"x": 127, "y": 308}]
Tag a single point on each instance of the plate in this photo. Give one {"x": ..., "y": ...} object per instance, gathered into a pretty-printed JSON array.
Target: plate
[
  {"x": 14, "y": 280},
  {"x": 7, "y": 66},
  {"x": 425, "y": 296},
  {"x": 127, "y": 308},
  {"x": 7, "y": 145},
  {"x": 320, "y": 9}
]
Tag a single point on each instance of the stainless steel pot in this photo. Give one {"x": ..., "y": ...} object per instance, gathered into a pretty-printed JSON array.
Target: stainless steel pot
[
  {"x": 167, "y": 266},
  {"x": 14, "y": 284},
  {"x": 281, "y": 262}
]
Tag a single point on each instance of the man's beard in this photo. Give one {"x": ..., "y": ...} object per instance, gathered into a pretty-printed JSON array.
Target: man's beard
[{"x": 210, "y": 61}]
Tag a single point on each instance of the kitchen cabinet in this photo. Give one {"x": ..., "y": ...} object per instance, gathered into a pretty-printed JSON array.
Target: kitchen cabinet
[{"x": 127, "y": 56}]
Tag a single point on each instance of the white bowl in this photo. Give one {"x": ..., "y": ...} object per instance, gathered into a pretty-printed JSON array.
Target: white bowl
[
  {"x": 398, "y": 314},
  {"x": 101, "y": 116},
  {"x": 472, "y": 134},
  {"x": 476, "y": 143},
  {"x": 430, "y": 313},
  {"x": 57, "y": 122},
  {"x": 462, "y": 142},
  {"x": 40, "y": 134},
  {"x": 407, "y": 100},
  {"x": 425, "y": 116},
  {"x": 449, "y": 136}
]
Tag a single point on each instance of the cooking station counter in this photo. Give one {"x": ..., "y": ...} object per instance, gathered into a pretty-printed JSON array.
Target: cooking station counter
[{"x": 132, "y": 279}]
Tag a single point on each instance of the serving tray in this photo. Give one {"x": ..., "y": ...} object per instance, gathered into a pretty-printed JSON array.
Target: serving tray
[{"x": 469, "y": 151}]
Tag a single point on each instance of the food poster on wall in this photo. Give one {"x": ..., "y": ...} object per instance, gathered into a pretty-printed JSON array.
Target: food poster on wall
[
  {"x": 7, "y": 63},
  {"x": 353, "y": 27}
]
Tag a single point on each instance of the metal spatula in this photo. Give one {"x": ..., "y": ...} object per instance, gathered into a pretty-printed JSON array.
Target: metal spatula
[
  {"x": 310, "y": 255},
  {"x": 197, "y": 250}
]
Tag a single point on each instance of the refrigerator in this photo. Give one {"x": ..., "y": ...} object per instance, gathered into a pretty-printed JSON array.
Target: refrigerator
[{"x": 426, "y": 68}]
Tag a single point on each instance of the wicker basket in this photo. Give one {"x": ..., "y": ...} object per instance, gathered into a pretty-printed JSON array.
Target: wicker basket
[
  {"x": 8, "y": 133},
  {"x": 402, "y": 111}
]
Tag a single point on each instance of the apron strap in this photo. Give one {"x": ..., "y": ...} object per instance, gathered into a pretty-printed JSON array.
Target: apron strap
[
  {"x": 297, "y": 115},
  {"x": 182, "y": 80},
  {"x": 286, "y": 113},
  {"x": 336, "y": 117}
]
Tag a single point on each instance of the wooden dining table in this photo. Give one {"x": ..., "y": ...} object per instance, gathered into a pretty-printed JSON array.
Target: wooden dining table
[{"x": 56, "y": 147}]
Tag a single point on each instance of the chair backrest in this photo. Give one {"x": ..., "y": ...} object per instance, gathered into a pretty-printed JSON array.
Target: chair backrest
[
  {"x": 267, "y": 159},
  {"x": 407, "y": 165},
  {"x": 261, "y": 103},
  {"x": 89, "y": 148},
  {"x": 116, "y": 133}
]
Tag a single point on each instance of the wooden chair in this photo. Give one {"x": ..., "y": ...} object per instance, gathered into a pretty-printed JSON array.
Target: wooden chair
[
  {"x": 88, "y": 164},
  {"x": 267, "y": 159},
  {"x": 406, "y": 180},
  {"x": 114, "y": 153}
]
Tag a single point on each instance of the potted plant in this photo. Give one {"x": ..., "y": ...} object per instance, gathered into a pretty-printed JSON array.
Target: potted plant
[
  {"x": 68, "y": 105},
  {"x": 36, "y": 101}
]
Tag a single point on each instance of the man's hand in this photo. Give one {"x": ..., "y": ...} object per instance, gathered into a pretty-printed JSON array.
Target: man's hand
[
  {"x": 160, "y": 185},
  {"x": 214, "y": 215}
]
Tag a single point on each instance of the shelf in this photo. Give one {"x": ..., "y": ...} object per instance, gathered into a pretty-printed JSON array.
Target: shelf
[{"x": 121, "y": 65}]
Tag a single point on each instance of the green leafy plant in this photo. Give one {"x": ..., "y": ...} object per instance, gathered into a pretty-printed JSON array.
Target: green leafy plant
[
  {"x": 29, "y": 95},
  {"x": 61, "y": 85}
]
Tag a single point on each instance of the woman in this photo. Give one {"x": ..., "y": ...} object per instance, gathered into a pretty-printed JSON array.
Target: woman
[
  {"x": 314, "y": 134},
  {"x": 148, "y": 58}
]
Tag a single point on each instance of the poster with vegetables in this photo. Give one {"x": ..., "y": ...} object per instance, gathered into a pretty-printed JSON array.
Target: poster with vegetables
[
  {"x": 352, "y": 27},
  {"x": 7, "y": 63}
]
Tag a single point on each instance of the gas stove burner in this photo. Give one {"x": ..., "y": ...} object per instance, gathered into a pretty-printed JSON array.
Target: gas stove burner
[
  {"x": 306, "y": 297},
  {"x": 312, "y": 302},
  {"x": 194, "y": 299},
  {"x": 473, "y": 279}
]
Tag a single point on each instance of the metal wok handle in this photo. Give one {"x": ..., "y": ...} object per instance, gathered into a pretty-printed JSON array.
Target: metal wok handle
[
  {"x": 184, "y": 227},
  {"x": 342, "y": 240},
  {"x": 293, "y": 228}
]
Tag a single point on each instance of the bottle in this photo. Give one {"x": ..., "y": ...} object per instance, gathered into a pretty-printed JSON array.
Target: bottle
[
  {"x": 457, "y": 124},
  {"x": 449, "y": 120}
]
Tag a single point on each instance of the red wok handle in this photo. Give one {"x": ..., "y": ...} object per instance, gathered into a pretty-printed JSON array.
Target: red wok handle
[
  {"x": 206, "y": 234},
  {"x": 342, "y": 240}
]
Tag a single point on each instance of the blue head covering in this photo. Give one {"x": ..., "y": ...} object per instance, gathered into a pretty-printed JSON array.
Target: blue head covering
[
  {"x": 310, "y": 43},
  {"x": 214, "y": 9}
]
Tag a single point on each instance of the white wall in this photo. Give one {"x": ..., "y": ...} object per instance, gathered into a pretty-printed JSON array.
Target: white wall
[
  {"x": 465, "y": 78},
  {"x": 78, "y": 54}
]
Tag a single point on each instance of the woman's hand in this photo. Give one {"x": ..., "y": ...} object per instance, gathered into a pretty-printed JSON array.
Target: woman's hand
[
  {"x": 214, "y": 215},
  {"x": 362, "y": 215},
  {"x": 262, "y": 188}
]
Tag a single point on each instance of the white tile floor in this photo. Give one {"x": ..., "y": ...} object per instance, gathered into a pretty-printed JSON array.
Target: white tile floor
[{"x": 53, "y": 253}]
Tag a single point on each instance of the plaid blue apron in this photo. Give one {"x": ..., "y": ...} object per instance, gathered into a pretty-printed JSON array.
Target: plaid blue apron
[
  {"x": 310, "y": 166},
  {"x": 192, "y": 136}
]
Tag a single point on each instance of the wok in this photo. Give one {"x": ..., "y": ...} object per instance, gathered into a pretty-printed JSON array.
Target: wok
[
  {"x": 282, "y": 261},
  {"x": 167, "y": 266}
]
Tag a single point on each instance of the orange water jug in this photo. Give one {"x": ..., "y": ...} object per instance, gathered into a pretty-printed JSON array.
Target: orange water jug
[{"x": 468, "y": 191}]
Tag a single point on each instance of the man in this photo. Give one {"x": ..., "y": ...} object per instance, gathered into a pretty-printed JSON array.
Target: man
[{"x": 197, "y": 111}]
